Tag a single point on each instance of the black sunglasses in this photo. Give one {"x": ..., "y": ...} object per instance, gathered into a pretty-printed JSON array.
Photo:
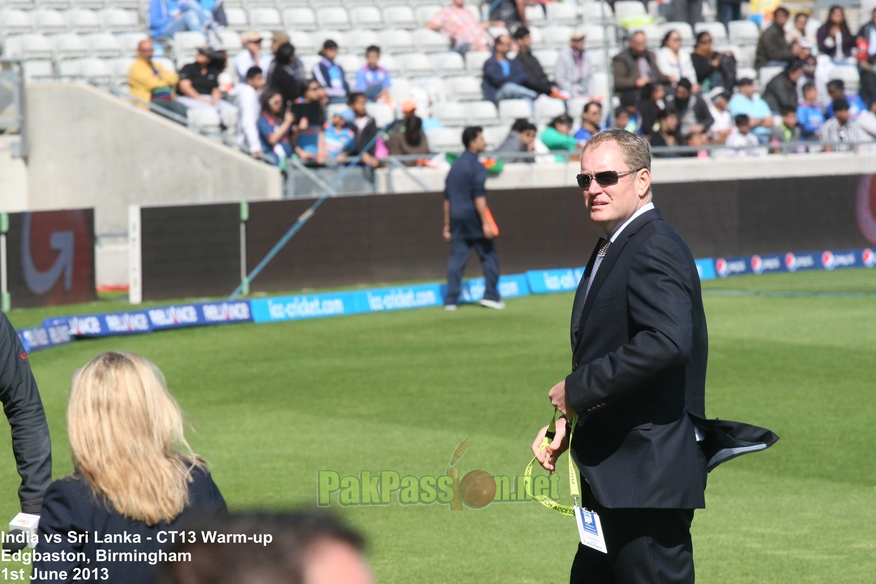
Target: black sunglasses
[{"x": 603, "y": 179}]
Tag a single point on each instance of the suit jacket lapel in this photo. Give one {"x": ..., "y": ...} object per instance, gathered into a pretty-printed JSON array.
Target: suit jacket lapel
[
  {"x": 578, "y": 304},
  {"x": 611, "y": 256}
]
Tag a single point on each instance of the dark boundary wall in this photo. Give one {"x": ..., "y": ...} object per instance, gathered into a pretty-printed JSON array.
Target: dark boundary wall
[{"x": 194, "y": 251}]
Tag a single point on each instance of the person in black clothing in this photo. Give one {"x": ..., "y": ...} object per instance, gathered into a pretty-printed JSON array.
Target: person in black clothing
[
  {"x": 667, "y": 135},
  {"x": 24, "y": 410},
  {"x": 282, "y": 77},
  {"x": 538, "y": 79},
  {"x": 713, "y": 69},
  {"x": 135, "y": 476},
  {"x": 781, "y": 91},
  {"x": 199, "y": 85},
  {"x": 365, "y": 128},
  {"x": 649, "y": 105}
]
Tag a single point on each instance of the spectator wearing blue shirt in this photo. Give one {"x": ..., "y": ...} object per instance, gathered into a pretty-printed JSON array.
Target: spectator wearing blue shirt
[
  {"x": 837, "y": 90},
  {"x": 331, "y": 75},
  {"x": 277, "y": 129},
  {"x": 310, "y": 144},
  {"x": 339, "y": 138},
  {"x": 591, "y": 118},
  {"x": 505, "y": 78},
  {"x": 168, "y": 17},
  {"x": 759, "y": 115},
  {"x": 372, "y": 79},
  {"x": 810, "y": 116},
  {"x": 466, "y": 223}
]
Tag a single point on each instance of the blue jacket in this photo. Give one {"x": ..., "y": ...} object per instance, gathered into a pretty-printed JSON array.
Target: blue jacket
[
  {"x": 159, "y": 15},
  {"x": 464, "y": 183},
  {"x": 331, "y": 76},
  {"x": 494, "y": 78}
]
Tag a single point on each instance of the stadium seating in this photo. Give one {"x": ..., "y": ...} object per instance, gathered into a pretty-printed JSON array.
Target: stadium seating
[
  {"x": 547, "y": 109},
  {"x": 512, "y": 109},
  {"x": 562, "y": 13},
  {"x": 444, "y": 139},
  {"x": 465, "y": 88},
  {"x": 716, "y": 29},
  {"x": 299, "y": 18},
  {"x": 366, "y": 17},
  {"x": 683, "y": 28},
  {"x": 482, "y": 113},
  {"x": 399, "y": 17}
]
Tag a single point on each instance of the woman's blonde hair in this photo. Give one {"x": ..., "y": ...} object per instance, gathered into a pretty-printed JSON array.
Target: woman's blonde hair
[{"x": 126, "y": 432}]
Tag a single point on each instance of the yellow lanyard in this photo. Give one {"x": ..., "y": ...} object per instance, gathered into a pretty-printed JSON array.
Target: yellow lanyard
[{"x": 574, "y": 489}]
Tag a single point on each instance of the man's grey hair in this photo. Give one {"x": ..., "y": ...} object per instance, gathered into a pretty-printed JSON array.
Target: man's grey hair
[{"x": 635, "y": 149}]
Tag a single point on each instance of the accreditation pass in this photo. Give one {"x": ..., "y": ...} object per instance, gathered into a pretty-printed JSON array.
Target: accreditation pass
[{"x": 590, "y": 529}]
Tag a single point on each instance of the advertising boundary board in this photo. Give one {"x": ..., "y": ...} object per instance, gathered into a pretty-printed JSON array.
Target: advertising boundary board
[{"x": 62, "y": 330}]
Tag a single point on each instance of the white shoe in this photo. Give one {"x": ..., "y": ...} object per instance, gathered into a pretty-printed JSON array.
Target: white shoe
[
  {"x": 449, "y": 307},
  {"x": 497, "y": 304}
]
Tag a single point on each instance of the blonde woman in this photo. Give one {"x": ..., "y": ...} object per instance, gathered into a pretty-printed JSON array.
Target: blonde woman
[{"x": 136, "y": 477}]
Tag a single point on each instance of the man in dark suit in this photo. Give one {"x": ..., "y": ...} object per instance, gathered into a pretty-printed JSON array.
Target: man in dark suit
[{"x": 640, "y": 347}]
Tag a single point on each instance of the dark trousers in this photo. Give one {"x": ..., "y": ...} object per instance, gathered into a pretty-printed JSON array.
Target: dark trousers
[
  {"x": 459, "y": 252},
  {"x": 645, "y": 546}
]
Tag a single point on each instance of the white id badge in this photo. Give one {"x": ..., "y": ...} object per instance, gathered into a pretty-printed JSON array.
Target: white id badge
[{"x": 590, "y": 529}]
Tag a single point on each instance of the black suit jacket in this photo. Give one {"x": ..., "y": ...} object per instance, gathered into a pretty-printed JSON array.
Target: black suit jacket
[{"x": 640, "y": 348}]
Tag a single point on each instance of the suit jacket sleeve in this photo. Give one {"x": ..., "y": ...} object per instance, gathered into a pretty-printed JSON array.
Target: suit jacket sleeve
[
  {"x": 24, "y": 410},
  {"x": 60, "y": 516},
  {"x": 658, "y": 290}
]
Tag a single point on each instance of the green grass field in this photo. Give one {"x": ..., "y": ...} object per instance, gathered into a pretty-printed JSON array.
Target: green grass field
[{"x": 272, "y": 405}]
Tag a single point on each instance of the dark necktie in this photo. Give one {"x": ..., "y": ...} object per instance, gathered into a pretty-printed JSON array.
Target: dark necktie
[{"x": 600, "y": 255}]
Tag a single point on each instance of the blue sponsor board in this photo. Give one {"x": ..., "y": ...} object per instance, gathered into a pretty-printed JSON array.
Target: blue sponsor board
[
  {"x": 550, "y": 281},
  {"x": 400, "y": 298},
  {"x": 706, "y": 269},
  {"x": 201, "y": 314},
  {"x": 105, "y": 325},
  {"x": 511, "y": 286},
  {"x": 305, "y": 306},
  {"x": 44, "y": 337}
]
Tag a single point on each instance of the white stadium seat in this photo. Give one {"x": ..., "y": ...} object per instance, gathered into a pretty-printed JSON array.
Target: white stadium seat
[
  {"x": 104, "y": 45},
  {"x": 416, "y": 64},
  {"x": 741, "y": 32},
  {"x": 401, "y": 88},
  {"x": 547, "y": 58},
  {"x": 535, "y": 14},
  {"x": 49, "y": 21},
  {"x": 482, "y": 113},
  {"x": 362, "y": 39},
  {"x": 426, "y": 13},
  {"x": 118, "y": 20},
  {"x": 597, "y": 13},
  {"x": 474, "y": 61},
  {"x": 562, "y": 13},
  {"x": 265, "y": 18},
  {"x": 716, "y": 29},
  {"x": 33, "y": 70},
  {"x": 444, "y": 139},
  {"x": 399, "y": 17},
  {"x": 381, "y": 113},
  {"x": 299, "y": 18},
  {"x": 450, "y": 113},
  {"x": 547, "y": 109},
  {"x": 594, "y": 36},
  {"x": 396, "y": 41},
  {"x": 556, "y": 37},
  {"x": 465, "y": 88},
  {"x": 71, "y": 46},
  {"x": 450, "y": 63},
  {"x": 36, "y": 46},
  {"x": 303, "y": 42},
  {"x": 495, "y": 135},
  {"x": 204, "y": 117},
  {"x": 431, "y": 41},
  {"x": 334, "y": 17},
  {"x": 683, "y": 28},
  {"x": 340, "y": 37},
  {"x": 512, "y": 109},
  {"x": 366, "y": 17},
  {"x": 237, "y": 19},
  {"x": 84, "y": 20},
  {"x": 16, "y": 21}
]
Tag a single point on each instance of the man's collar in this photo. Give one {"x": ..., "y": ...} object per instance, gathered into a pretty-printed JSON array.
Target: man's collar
[{"x": 643, "y": 209}]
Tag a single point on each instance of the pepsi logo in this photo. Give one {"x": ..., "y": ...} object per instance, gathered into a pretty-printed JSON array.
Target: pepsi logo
[
  {"x": 721, "y": 267},
  {"x": 827, "y": 260},
  {"x": 790, "y": 262},
  {"x": 756, "y": 264},
  {"x": 868, "y": 258}
]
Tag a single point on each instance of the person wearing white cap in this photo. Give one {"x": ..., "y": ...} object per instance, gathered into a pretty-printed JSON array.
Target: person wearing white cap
[
  {"x": 574, "y": 69},
  {"x": 252, "y": 56}
]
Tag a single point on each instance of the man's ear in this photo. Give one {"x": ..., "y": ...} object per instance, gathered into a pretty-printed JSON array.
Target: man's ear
[{"x": 643, "y": 183}]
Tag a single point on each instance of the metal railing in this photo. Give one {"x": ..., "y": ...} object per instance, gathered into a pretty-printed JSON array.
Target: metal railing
[{"x": 13, "y": 118}]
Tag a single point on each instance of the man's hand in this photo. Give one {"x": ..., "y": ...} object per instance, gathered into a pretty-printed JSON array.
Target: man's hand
[
  {"x": 642, "y": 81},
  {"x": 445, "y": 233},
  {"x": 560, "y": 401},
  {"x": 488, "y": 231},
  {"x": 257, "y": 154},
  {"x": 548, "y": 457}
]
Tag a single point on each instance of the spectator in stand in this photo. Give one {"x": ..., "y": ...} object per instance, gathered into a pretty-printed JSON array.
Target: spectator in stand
[
  {"x": 278, "y": 39},
  {"x": 372, "y": 79},
  {"x": 463, "y": 28},
  {"x": 409, "y": 109},
  {"x": 809, "y": 114},
  {"x": 537, "y": 79},
  {"x": 810, "y": 65},
  {"x": 199, "y": 86},
  {"x": 366, "y": 130},
  {"x": 760, "y": 117},
  {"x": 840, "y": 128},
  {"x": 635, "y": 67},
  {"x": 773, "y": 49},
  {"x": 168, "y": 17},
  {"x": 284, "y": 77},
  {"x": 591, "y": 122},
  {"x": 834, "y": 37},
  {"x": 621, "y": 118},
  {"x": 411, "y": 141},
  {"x": 135, "y": 475},
  {"x": 340, "y": 139},
  {"x": 150, "y": 82},
  {"x": 797, "y": 34},
  {"x": 251, "y": 55},
  {"x": 510, "y": 12},
  {"x": 867, "y": 122},
  {"x": 216, "y": 8},
  {"x": 866, "y": 57},
  {"x": 781, "y": 91},
  {"x": 557, "y": 135},
  {"x": 696, "y": 139},
  {"x": 836, "y": 89},
  {"x": 723, "y": 124},
  {"x": 249, "y": 108},
  {"x": 651, "y": 102},
  {"x": 331, "y": 75},
  {"x": 277, "y": 129},
  {"x": 505, "y": 78},
  {"x": 787, "y": 130},
  {"x": 628, "y": 103},
  {"x": 742, "y": 140},
  {"x": 729, "y": 10},
  {"x": 520, "y": 139},
  {"x": 674, "y": 62},
  {"x": 713, "y": 69},
  {"x": 310, "y": 145},
  {"x": 689, "y": 11},
  {"x": 574, "y": 69},
  {"x": 668, "y": 135},
  {"x": 692, "y": 109}
]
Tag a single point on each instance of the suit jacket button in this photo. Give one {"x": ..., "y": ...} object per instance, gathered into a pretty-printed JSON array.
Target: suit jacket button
[{"x": 574, "y": 365}]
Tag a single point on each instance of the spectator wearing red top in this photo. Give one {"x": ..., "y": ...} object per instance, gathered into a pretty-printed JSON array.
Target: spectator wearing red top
[{"x": 463, "y": 28}]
